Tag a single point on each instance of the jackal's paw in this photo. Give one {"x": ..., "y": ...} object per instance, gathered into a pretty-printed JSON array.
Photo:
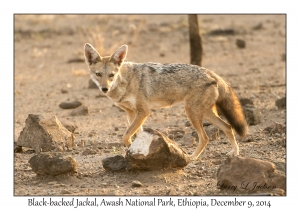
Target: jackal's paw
[
  {"x": 127, "y": 142},
  {"x": 233, "y": 153}
]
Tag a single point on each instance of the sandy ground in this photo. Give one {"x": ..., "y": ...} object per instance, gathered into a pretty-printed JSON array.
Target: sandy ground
[{"x": 48, "y": 70}]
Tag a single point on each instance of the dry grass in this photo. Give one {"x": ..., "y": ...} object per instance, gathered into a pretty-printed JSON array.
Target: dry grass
[{"x": 94, "y": 37}]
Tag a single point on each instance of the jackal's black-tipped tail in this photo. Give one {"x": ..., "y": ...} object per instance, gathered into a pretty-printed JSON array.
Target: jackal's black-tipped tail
[{"x": 231, "y": 108}]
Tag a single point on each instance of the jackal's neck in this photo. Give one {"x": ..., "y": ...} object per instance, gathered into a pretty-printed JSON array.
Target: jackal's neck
[{"x": 118, "y": 87}]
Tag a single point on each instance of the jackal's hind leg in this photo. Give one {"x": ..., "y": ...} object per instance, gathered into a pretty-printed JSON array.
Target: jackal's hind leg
[{"x": 213, "y": 117}]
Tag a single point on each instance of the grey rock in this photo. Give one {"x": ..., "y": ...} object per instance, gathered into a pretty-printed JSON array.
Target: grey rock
[
  {"x": 82, "y": 110},
  {"x": 152, "y": 150},
  {"x": 249, "y": 175},
  {"x": 245, "y": 101},
  {"x": 45, "y": 134},
  {"x": 219, "y": 32},
  {"x": 17, "y": 148},
  {"x": 52, "y": 164},
  {"x": 252, "y": 115},
  {"x": 240, "y": 43},
  {"x": 258, "y": 26},
  {"x": 70, "y": 105},
  {"x": 281, "y": 103},
  {"x": 116, "y": 163}
]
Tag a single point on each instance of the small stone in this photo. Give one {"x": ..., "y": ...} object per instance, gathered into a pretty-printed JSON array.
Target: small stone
[
  {"x": 240, "y": 43},
  {"x": 82, "y": 110},
  {"x": 187, "y": 124},
  {"x": 17, "y": 148},
  {"x": 70, "y": 105},
  {"x": 283, "y": 57},
  {"x": 52, "y": 183},
  {"x": 116, "y": 163},
  {"x": 64, "y": 91},
  {"x": 65, "y": 192},
  {"x": 218, "y": 32},
  {"x": 252, "y": 115},
  {"x": 258, "y": 26},
  {"x": 245, "y": 101},
  {"x": 281, "y": 103},
  {"x": 136, "y": 184},
  {"x": 172, "y": 192}
]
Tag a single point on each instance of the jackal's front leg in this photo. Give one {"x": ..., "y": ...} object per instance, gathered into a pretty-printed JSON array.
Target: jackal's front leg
[{"x": 136, "y": 124}]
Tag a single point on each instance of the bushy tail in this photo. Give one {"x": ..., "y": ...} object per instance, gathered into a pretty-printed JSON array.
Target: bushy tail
[{"x": 231, "y": 108}]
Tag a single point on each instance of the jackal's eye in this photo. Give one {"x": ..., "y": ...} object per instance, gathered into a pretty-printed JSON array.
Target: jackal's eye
[
  {"x": 111, "y": 75},
  {"x": 98, "y": 74}
]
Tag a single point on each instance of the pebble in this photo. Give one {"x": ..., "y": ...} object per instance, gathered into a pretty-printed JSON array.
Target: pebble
[
  {"x": 65, "y": 192},
  {"x": 136, "y": 184},
  {"x": 240, "y": 43},
  {"x": 52, "y": 183},
  {"x": 70, "y": 105},
  {"x": 81, "y": 110}
]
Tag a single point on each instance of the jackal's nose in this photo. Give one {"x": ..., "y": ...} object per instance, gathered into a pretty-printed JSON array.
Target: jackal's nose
[{"x": 104, "y": 89}]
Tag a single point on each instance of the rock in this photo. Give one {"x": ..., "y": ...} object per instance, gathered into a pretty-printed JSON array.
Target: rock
[
  {"x": 240, "y": 43},
  {"x": 281, "y": 103},
  {"x": 276, "y": 128},
  {"x": 65, "y": 192},
  {"x": 64, "y": 91},
  {"x": 245, "y": 101},
  {"x": 70, "y": 105},
  {"x": 45, "y": 134},
  {"x": 187, "y": 124},
  {"x": 92, "y": 84},
  {"x": 283, "y": 57},
  {"x": 136, "y": 184},
  {"x": 249, "y": 175},
  {"x": 258, "y": 26},
  {"x": 82, "y": 110},
  {"x": 212, "y": 132},
  {"x": 172, "y": 192},
  {"x": 116, "y": 163},
  {"x": 17, "y": 148},
  {"x": 52, "y": 164},
  {"x": 152, "y": 150},
  {"x": 218, "y": 32},
  {"x": 252, "y": 115}
]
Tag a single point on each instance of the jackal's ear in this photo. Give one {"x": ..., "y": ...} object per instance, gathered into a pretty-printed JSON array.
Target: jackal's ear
[
  {"x": 91, "y": 55},
  {"x": 119, "y": 56}
]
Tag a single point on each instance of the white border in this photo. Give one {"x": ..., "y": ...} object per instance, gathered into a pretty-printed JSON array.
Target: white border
[{"x": 8, "y": 201}]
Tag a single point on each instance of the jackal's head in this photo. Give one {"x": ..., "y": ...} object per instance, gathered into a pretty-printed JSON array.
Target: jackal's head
[{"x": 104, "y": 70}]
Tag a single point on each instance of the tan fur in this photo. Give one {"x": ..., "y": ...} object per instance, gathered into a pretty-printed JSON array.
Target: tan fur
[{"x": 138, "y": 87}]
